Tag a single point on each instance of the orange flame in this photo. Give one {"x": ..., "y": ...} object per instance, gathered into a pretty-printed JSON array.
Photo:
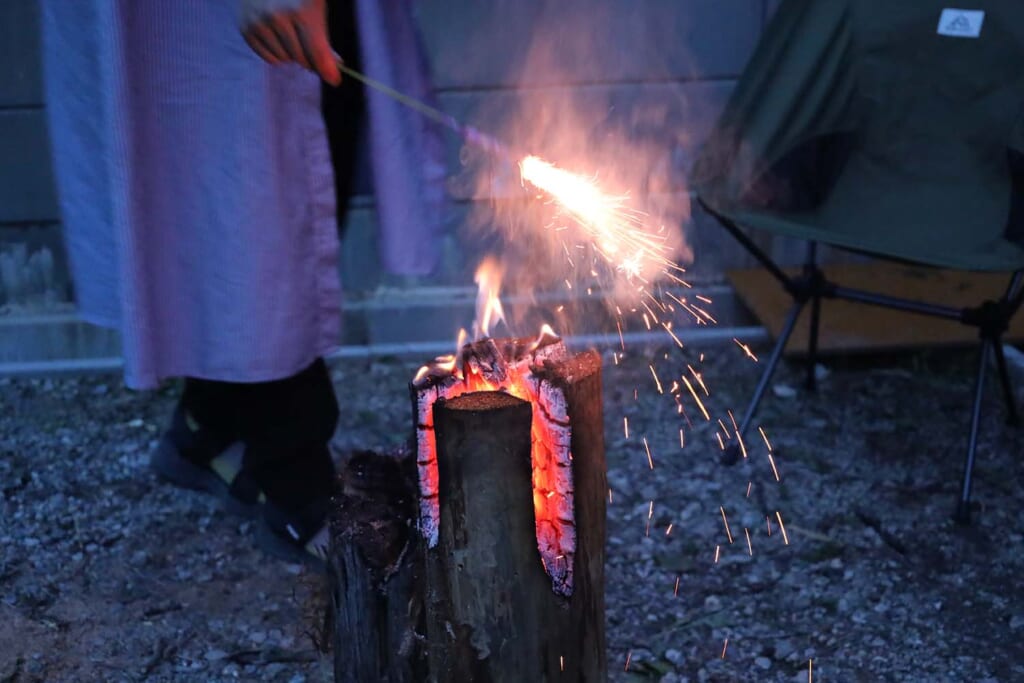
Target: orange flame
[
  {"x": 488, "y": 306},
  {"x": 549, "y": 452}
]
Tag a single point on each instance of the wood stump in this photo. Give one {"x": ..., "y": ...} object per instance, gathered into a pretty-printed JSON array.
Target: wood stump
[
  {"x": 375, "y": 572},
  {"x": 480, "y": 605}
]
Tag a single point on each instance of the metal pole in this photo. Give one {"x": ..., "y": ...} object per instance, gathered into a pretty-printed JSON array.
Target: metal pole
[{"x": 963, "y": 509}]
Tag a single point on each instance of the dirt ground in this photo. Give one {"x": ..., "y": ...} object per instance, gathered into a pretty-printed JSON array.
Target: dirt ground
[{"x": 108, "y": 575}]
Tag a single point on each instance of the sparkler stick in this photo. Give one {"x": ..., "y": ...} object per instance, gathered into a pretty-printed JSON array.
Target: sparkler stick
[{"x": 468, "y": 133}]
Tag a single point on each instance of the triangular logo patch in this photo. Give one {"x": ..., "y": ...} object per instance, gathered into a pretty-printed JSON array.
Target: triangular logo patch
[
  {"x": 958, "y": 25},
  {"x": 961, "y": 23}
]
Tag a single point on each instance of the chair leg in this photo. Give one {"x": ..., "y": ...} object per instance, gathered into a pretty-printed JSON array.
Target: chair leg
[
  {"x": 963, "y": 508},
  {"x": 811, "y": 271},
  {"x": 812, "y": 343},
  {"x": 1012, "y": 417},
  {"x": 731, "y": 455}
]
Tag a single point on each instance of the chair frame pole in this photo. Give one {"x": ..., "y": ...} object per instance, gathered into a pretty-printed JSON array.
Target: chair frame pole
[
  {"x": 962, "y": 514},
  {"x": 731, "y": 455},
  {"x": 811, "y": 271},
  {"x": 992, "y": 319},
  {"x": 1012, "y": 418}
]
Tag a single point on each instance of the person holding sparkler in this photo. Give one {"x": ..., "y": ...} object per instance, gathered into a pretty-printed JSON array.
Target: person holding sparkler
[{"x": 196, "y": 190}]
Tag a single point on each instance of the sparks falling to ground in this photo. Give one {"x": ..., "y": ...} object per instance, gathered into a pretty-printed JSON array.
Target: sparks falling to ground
[
  {"x": 640, "y": 260},
  {"x": 636, "y": 255},
  {"x": 632, "y": 269}
]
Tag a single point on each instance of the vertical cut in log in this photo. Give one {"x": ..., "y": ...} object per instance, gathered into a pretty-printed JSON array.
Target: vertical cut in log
[
  {"x": 494, "y": 614},
  {"x": 485, "y": 365},
  {"x": 484, "y": 574},
  {"x": 580, "y": 631}
]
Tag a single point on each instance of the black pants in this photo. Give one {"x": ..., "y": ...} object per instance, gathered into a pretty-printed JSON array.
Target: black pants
[{"x": 286, "y": 426}]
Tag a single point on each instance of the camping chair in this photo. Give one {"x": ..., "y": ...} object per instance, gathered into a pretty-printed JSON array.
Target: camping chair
[{"x": 890, "y": 129}]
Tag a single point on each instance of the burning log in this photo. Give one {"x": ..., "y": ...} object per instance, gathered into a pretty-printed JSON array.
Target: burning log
[
  {"x": 502, "y": 578},
  {"x": 512, "y": 483},
  {"x": 375, "y": 571}
]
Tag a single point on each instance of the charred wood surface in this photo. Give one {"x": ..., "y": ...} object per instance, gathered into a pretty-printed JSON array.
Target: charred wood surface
[
  {"x": 491, "y": 612},
  {"x": 581, "y": 631},
  {"x": 375, "y": 573},
  {"x": 479, "y": 605}
]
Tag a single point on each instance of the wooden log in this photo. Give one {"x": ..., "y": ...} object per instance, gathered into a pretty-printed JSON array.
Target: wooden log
[
  {"x": 375, "y": 573},
  {"x": 493, "y": 614},
  {"x": 581, "y": 627}
]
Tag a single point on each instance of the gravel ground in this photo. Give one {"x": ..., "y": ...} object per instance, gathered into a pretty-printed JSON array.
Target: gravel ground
[{"x": 106, "y": 574}]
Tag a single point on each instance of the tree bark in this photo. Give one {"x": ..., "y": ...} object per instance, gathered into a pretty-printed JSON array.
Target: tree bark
[
  {"x": 492, "y": 613},
  {"x": 375, "y": 574},
  {"x": 479, "y": 606}
]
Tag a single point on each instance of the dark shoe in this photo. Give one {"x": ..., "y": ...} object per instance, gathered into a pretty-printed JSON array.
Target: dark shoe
[
  {"x": 301, "y": 536},
  {"x": 194, "y": 457}
]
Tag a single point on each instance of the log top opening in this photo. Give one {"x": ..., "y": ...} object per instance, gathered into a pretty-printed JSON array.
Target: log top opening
[
  {"x": 483, "y": 401},
  {"x": 570, "y": 369}
]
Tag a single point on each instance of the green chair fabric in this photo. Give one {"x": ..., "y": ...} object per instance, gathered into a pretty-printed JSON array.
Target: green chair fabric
[{"x": 864, "y": 124}]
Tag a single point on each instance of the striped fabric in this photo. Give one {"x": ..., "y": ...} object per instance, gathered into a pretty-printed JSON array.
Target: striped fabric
[{"x": 196, "y": 190}]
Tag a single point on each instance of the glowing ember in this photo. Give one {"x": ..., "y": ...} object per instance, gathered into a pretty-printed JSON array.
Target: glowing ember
[{"x": 515, "y": 367}]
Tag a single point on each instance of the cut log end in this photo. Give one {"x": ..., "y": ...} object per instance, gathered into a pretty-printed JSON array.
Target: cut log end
[{"x": 482, "y": 401}]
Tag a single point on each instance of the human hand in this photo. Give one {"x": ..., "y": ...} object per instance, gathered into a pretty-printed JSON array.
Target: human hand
[{"x": 283, "y": 31}]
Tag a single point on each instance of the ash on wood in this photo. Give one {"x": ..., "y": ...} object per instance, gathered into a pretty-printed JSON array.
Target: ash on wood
[
  {"x": 492, "y": 613},
  {"x": 375, "y": 573},
  {"x": 501, "y": 579}
]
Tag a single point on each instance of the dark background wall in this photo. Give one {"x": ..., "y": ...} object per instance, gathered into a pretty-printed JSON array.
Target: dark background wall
[{"x": 648, "y": 70}]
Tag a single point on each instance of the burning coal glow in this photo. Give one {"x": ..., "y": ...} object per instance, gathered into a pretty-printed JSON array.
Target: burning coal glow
[{"x": 512, "y": 366}]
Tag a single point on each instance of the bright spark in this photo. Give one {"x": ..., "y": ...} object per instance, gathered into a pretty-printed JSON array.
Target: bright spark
[
  {"x": 725, "y": 521},
  {"x": 771, "y": 461},
  {"x": 746, "y": 349},
  {"x": 699, "y": 379},
  {"x": 739, "y": 437},
  {"x": 696, "y": 398},
  {"x": 785, "y": 536},
  {"x": 657, "y": 382},
  {"x": 668, "y": 328},
  {"x": 615, "y": 230}
]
